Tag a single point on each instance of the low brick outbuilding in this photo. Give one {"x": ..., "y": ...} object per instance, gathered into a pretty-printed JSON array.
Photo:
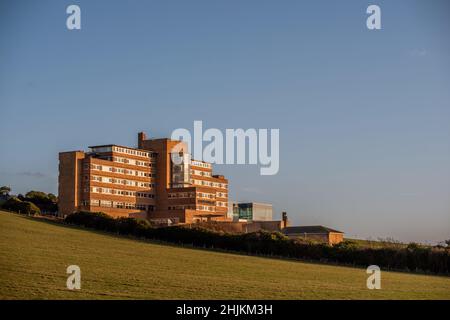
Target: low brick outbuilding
[{"x": 316, "y": 233}]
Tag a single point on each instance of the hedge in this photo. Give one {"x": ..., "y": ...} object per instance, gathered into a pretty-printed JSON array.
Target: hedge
[{"x": 412, "y": 258}]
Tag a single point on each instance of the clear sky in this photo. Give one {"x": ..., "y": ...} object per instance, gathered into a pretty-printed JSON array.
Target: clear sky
[{"x": 364, "y": 116}]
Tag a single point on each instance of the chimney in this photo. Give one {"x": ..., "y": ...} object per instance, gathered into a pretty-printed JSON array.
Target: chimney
[
  {"x": 284, "y": 220},
  {"x": 141, "y": 137}
]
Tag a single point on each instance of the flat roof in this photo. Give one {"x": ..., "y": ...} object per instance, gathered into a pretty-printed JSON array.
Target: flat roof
[
  {"x": 120, "y": 146},
  {"x": 260, "y": 203},
  {"x": 71, "y": 151},
  {"x": 201, "y": 161}
]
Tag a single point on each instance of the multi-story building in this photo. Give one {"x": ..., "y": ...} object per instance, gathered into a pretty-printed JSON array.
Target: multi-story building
[
  {"x": 116, "y": 180},
  {"x": 186, "y": 191},
  {"x": 143, "y": 182}
]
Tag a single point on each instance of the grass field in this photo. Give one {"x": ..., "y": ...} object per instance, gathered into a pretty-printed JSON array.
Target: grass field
[{"x": 34, "y": 256}]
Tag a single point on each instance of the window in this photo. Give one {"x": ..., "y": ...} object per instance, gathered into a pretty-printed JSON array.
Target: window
[{"x": 105, "y": 203}]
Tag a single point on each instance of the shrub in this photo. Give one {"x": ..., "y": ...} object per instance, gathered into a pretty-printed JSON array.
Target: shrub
[
  {"x": 29, "y": 208},
  {"x": 19, "y": 206},
  {"x": 412, "y": 258},
  {"x": 131, "y": 226},
  {"x": 94, "y": 220},
  {"x": 12, "y": 204},
  {"x": 45, "y": 202},
  {"x": 413, "y": 246}
]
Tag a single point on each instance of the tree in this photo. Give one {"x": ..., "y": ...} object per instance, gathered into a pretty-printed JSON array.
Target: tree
[
  {"x": 19, "y": 206},
  {"x": 45, "y": 202},
  {"x": 29, "y": 208},
  {"x": 12, "y": 204},
  {"x": 37, "y": 195},
  {"x": 5, "y": 190},
  {"x": 52, "y": 197}
]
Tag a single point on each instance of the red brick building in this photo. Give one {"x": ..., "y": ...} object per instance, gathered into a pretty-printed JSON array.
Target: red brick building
[
  {"x": 314, "y": 233},
  {"x": 142, "y": 182}
]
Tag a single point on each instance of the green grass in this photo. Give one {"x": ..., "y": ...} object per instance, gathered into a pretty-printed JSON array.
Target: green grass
[
  {"x": 34, "y": 256},
  {"x": 377, "y": 244}
]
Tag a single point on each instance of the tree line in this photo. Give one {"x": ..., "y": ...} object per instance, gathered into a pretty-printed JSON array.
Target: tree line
[{"x": 33, "y": 202}]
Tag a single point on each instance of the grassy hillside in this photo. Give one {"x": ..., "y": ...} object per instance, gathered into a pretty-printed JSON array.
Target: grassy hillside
[
  {"x": 375, "y": 244},
  {"x": 34, "y": 256}
]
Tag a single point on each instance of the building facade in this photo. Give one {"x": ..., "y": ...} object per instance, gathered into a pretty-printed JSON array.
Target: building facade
[
  {"x": 252, "y": 211},
  {"x": 314, "y": 233},
  {"x": 157, "y": 181}
]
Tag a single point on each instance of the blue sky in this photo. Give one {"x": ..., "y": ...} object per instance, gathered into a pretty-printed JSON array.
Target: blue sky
[{"x": 364, "y": 116}]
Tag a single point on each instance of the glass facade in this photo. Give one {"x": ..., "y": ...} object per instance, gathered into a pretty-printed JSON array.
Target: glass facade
[
  {"x": 101, "y": 149},
  {"x": 246, "y": 211},
  {"x": 181, "y": 170},
  {"x": 253, "y": 212}
]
